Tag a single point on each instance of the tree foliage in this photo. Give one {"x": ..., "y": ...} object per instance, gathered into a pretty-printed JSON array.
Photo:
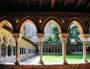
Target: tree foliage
[
  {"x": 50, "y": 39},
  {"x": 73, "y": 34}
]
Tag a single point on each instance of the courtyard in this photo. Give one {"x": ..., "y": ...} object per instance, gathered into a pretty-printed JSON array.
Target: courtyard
[{"x": 57, "y": 59}]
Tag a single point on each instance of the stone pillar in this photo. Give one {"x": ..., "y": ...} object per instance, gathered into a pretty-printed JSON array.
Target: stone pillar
[
  {"x": 40, "y": 38},
  {"x": 63, "y": 38},
  {"x": 84, "y": 38},
  {"x": 51, "y": 49},
  {"x": 45, "y": 49},
  {"x": 0, "y": 51},
  {"x": 6, "y": 50},
  {"x": 12, "y": 50},
  {"x": 16, "y": 36},
  {"x": 57, "y": 49}
]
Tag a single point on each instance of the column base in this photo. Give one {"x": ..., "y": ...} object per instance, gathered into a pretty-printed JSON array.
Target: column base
[
  {"x": 85, "y": 61},
  {"x": 65, "y": 62},
  {"x": 17, "y": 63},
  {"x": 41, "y": 62}
]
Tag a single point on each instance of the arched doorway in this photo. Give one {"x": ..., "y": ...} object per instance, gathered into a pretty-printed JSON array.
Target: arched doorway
[
  {"x": 5, "y": 38},
  {"x": 9, "y": 50},
  {"x": 3, "y": 50}
]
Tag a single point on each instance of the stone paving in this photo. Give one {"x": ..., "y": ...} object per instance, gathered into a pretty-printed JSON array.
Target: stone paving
[{"x": 34, "y": 60}]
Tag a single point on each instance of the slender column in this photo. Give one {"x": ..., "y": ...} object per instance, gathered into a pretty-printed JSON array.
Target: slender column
[
  {"x": 84, "y": 37},
  {"x": 40, "y": 38},
  {"x": 0, "y": 51},
  {"x": 57, "y": 48},
  {"x": 6, "y": 50},
  {"x": 48, "y": 49},
  {"x": 45, "y": 49},
  {"x": 51, "y": 49},
  {"x": 54, "y": 48},
  {"x": 12, "y": 50},
  {"x": 16, "y": 36},
  {"x": 63, "y": 39}
]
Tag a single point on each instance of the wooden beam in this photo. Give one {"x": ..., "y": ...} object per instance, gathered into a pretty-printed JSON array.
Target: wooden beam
[
  {"x": 40, "y": 3},
  {"x": 87, "y": 6},
  {"x": 68, "y": 2},
  {"x": 78, "y": 3},
  {"x": 65, "y": 2},
  {"x": 27, "y": 2},
  {"x": 52, "y": 3},
  {"x": 3, "y": 4}
]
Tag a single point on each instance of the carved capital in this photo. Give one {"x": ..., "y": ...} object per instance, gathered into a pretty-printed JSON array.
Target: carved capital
[
  {"x": 40, "y": 36},
  {"x": 63, "y": 36},
  {"x": 16, "y": 36},
  {"x": 84, "y": 37}
]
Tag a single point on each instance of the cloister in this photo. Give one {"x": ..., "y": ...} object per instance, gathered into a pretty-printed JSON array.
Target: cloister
[
  {"x": 41, "y": 22},
  {"x": 40, "y": 16}
]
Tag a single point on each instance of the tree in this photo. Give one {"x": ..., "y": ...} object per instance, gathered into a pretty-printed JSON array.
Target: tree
[
  {"x": 74, "y": 33},
  {"x": 50, "y": 39},
  {"x": 55, "y": 31}
]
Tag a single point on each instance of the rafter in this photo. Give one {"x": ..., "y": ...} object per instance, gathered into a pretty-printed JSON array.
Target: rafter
[
  {"x": 27, "y": 2},
  {"x": 3, "y": 3},
  {"x": 78, "y": 3},
  {"x": 87, "y": 6},
  {"x": 65, "y": 3},
  {"x": 40, "y": 3},
  {"x": 68, "y": 2},
  {"x": 52, "y": 3}
]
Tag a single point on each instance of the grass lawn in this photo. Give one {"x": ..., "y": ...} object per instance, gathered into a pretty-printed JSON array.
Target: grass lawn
[{"x": 57, "y": 59}]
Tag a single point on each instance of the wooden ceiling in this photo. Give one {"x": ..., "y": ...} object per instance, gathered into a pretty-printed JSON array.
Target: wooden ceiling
[{"x": 45, "y": 5}]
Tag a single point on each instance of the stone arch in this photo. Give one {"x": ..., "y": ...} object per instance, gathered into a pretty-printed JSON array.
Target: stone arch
[
  {"x": 55, "y": 21},
  {"x": 4, "y": 21},
  {"x": 78, "y": 23},
  {"x": 24, "y": 21}
]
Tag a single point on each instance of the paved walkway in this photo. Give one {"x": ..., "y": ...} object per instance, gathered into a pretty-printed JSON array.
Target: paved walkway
[{"x": 33, "y": 60}]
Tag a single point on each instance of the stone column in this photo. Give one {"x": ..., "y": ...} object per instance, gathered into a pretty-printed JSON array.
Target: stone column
[
  {"x": 6, "y": 50},
  {"x": 40, "y": 38},
  {"x": 84, "y": 38},
  {"x": 16, "y": 36},
  {"x": 57, "y": 49},
  {"x": 51, "y": 49},
  {"x": 12, "y": 51},
  {"x": 63, "y": 38},
  {"x": 0, "y": 50},
  {"x": 45, "y": 49}
]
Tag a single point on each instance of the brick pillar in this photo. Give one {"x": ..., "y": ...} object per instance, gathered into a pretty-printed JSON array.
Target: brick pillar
[
  {"x": 16, "y": 36},
  {"x": 63, "y": 38},
  {"x": 84, "y": 38},
  {"x": 40, "y": 38}
]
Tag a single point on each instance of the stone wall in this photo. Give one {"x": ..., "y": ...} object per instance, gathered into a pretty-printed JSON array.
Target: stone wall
[{"x": 67, "y": 66}]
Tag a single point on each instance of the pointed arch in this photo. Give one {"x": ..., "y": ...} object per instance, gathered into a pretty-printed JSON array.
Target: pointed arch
[
  {"x": 24, "y": 23},
  {"x": 5, "y": 21},
  {"x": 54, "y": 22},
  {"x": 78, "y": 23}
]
